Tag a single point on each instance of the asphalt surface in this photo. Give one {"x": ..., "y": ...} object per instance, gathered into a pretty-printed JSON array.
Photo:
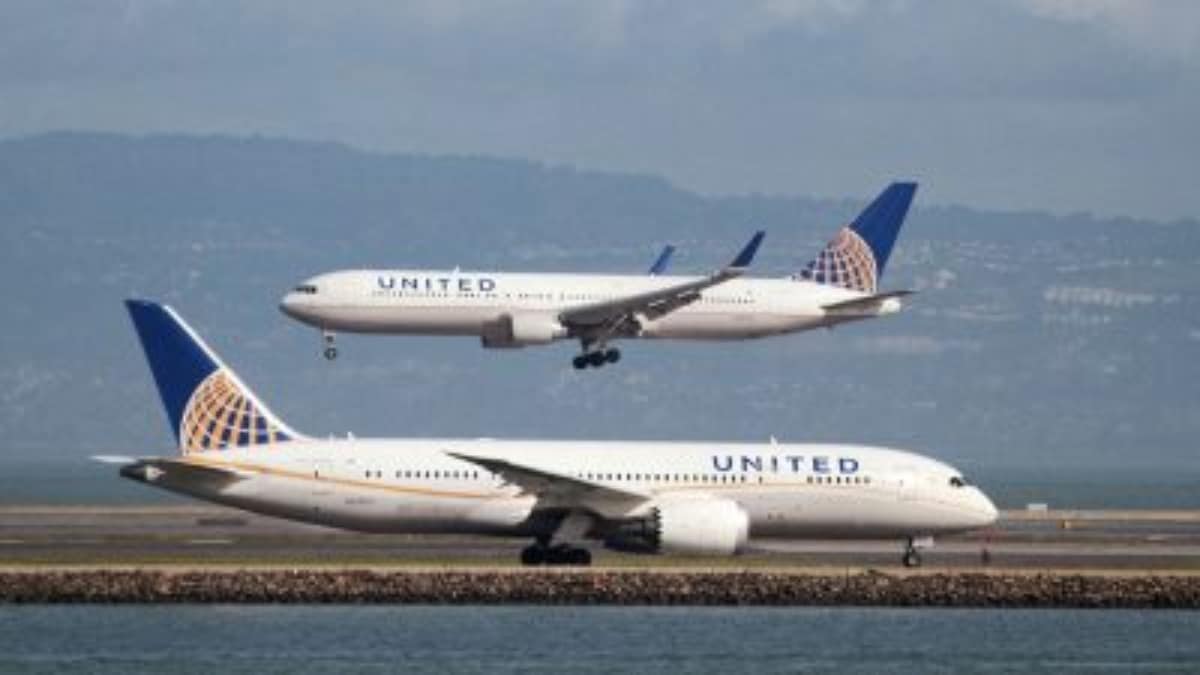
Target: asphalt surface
[{"x": 34, "y": 536}]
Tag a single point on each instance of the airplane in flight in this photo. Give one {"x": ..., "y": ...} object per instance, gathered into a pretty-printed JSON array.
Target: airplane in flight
[
  {"x": 506, "y": 310},
  {"x": 707, "y": 498}
]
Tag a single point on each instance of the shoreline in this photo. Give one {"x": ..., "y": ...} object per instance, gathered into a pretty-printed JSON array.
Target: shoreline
[{"x": 567, "y": 586}]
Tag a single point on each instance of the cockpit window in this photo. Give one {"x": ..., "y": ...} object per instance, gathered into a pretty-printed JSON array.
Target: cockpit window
[
  {"x": 959, "y": 481},
  {"x": 307, "y": 289}
]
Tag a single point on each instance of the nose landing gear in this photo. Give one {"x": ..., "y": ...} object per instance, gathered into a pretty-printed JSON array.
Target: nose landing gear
[
  {"x": 912, "y": 558},
  {"x": 331, "y": 351},
  {"x": 912, "y": 550}
]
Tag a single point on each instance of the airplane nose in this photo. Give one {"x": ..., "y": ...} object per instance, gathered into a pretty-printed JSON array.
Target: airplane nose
[
  {"x": 984, "y": 509},
  {"x": 288, "y": 304}
]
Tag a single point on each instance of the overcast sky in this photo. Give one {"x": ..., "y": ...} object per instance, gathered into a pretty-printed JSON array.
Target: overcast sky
[{"x": 1067, "y": 105}]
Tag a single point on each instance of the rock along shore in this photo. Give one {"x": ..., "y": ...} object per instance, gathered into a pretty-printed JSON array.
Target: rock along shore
[{"x": 599, "y": 588}]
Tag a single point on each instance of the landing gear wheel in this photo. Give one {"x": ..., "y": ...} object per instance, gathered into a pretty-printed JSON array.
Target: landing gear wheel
[
  {"x": 579, "y": 556},
  {"x": 533, "y": 555},
  {"x": 613, "y": 355},
  {"x": 580, "y": 362},
  {"x": 911, "y": 558},
  {"x": 331, "y": 353},
  {"x": 539, "y": 554},
  {"x": 596, "y": 359}
]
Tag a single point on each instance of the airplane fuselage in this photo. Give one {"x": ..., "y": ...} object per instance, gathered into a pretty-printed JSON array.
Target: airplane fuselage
[
  {"x": 415, "y": 486},
  {"x": 459, "y": 303}
]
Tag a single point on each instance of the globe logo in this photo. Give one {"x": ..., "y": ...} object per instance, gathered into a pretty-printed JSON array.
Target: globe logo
[
  {"x": 219, "y": 415},
  {"x": 847, "y": 261}
]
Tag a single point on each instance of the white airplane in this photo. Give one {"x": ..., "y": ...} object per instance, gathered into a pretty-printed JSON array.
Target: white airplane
[
  {"x": 517, "y": 310},
  {"x": 691, "y": 498}
]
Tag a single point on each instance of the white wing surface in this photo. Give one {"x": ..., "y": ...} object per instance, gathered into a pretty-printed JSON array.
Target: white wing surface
[
  {"x": 558, "y": 489},
  {"x": 654, "y": 304}
]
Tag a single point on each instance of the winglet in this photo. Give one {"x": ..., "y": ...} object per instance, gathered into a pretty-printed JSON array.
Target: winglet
[
  {"x": 746, "y": 256},
  {"x": 660, "y": 265}
]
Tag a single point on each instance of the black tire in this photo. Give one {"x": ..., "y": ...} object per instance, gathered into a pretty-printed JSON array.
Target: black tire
[
  {"x": 580, "y": 362},
  {"x": 596, "y": 359},
  {"x": 331, "y": 353},
  {"x": 556, "y": 555},
  {"x": 613, "y": 355},
  {"x": 912, "y": 558},
  {"x": 533, "y": 555},
  {"x": 581, "y": 557}
]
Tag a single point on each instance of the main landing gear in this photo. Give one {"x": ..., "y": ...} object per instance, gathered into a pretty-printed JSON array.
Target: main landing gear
[
  {"x": 912, "y": 557},
  {"x": 330, "y": 348},
  {"x": 596, "y": 358},
  {"x": 912, "y": 551},
  {"x": 558, "y": 554}
]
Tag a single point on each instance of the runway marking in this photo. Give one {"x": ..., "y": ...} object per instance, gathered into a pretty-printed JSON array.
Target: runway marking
[
  {"x": 12, "y": 542},
  {"x": 210, "y": 542}
]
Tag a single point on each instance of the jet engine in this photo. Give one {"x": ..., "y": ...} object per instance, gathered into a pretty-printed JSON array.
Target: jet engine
[
  {"x": 512, "y": 331},
  {"x": 687, "y": 526}
]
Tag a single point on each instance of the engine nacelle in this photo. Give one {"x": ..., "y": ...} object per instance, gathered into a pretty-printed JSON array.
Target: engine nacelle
[
  {"x": 687, "y": 526},
  {"x": 511, "y": 331}
]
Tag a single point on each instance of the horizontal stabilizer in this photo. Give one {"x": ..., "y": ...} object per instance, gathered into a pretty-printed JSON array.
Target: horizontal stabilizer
[
  {"x": 114, "y": 459},
  {"x": 870, "y": 304},
  {"x": 155, "y": 469}
]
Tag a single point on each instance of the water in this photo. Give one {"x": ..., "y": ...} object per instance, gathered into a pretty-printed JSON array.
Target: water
[{"x": 292, "y": 639}]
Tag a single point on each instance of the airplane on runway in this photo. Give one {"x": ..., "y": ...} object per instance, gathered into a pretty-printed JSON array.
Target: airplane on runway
[
  {"x": 517, "y": 310},
  {"x": 651, "y": 497}
]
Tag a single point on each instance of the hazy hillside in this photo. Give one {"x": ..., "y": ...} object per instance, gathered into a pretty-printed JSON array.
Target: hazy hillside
[{"x": 1035, "y": 339}]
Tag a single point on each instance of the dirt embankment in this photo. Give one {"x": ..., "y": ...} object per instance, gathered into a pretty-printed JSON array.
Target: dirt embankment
[{"x": 599, "y": 587}]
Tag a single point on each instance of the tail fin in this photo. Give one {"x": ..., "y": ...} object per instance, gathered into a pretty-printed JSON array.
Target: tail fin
[
  {"x": 207, "y": 406},
  {"x": 856, "y": 256}
]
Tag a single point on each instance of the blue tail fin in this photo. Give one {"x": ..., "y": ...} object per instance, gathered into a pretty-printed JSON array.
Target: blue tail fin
[
  {"x": 857, "y": 255},
  {"x": 207, "y": 406}
]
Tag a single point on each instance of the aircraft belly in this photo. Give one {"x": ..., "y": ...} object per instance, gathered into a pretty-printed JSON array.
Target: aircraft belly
[
  {"x": 362, "y": 508},
  {"x": 685, "y": 325},
  {"x": 464, "y": 321},
  {"x": 833, "y": 513},
  {"x": 406, "y": 512}
]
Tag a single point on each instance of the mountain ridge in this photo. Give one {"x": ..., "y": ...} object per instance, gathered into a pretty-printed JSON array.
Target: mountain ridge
[{"x": 1035, "y": 335}]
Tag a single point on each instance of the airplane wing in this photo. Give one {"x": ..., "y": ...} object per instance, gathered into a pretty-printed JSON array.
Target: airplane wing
[
  {"x": 869, "y": 304},
  {"x": 657, "y": 303},
  {"x": 664, "y": 258},
  {"x": 549, "y": 486}
]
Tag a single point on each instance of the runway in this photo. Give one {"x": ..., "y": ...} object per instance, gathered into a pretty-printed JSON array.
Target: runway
[{"x": 206, "y": 536}]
